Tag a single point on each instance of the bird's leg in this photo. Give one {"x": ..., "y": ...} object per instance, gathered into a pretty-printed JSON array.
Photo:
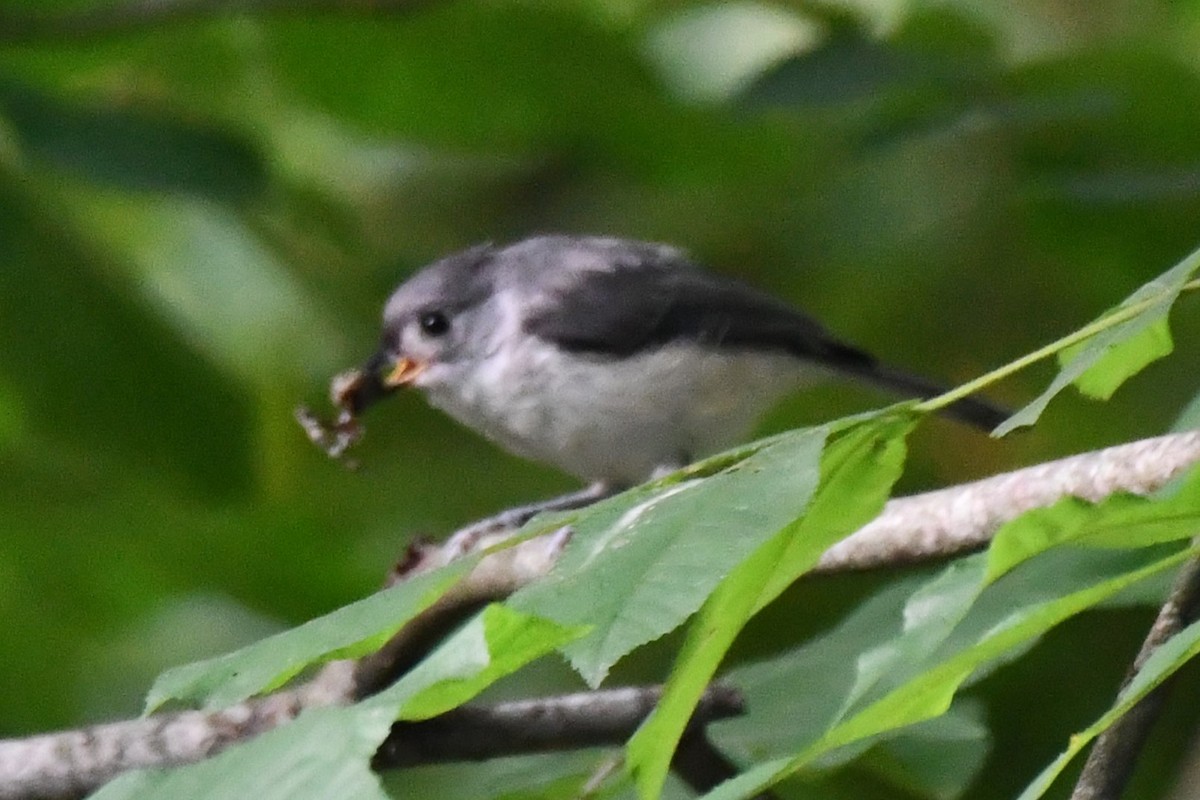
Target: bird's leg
[
  {"x": 600, "y": 490},
  {"x": 518, "y": 516},
  {"x": 513, "y": 518}
]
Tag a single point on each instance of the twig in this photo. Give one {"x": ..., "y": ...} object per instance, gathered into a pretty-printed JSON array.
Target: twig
[
  {"x": 1114, "y": 755},
  {"x": 115, "y": 18},
  {"x": 569, "y": 722}
]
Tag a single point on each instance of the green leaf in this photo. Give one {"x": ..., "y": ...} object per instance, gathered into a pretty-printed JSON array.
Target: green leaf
[
  {"x": 497, "y": 642},
  {"x": 938, "y": 758},
  {"x": 1119, "y": 521},
  {"x": 774, "y": 725},
  {"x": 955, "y": 624},
  {"x": 216, "y": 281},
  {"x": 1189, "y": 418},
  {"x": 1162, "y": 663},
  {"x": 942, "y": 62},
  {"x": 941, "y": 607},
  {"x": 929, "y": 616},
  {"x": 351, "y": 631},
  {"x": 1121, "y": 360},
  {"x": 394, "y": 77},
  {"x": 783, "y": 720},
  {"x": 324, "y": 753},
  {"x": 327, "y": 752},
  {"x": 748, "y": 782},
  {"x": 858, "y": 469},
  {"x": 106, "y": 395},
  {"x": 1122, "y": 343},
  {"x": 929, "y": 693},
  {"x": 937, "y": 628},
  {"x": 544, "y": 776},
  {"x": 596, "y": 97},
  {"x": 703, "y": 51},
  {"x": 640, "y": 564},
  {"x": 133, "y": 147}
]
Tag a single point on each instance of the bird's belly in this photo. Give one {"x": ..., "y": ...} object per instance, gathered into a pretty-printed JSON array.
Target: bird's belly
[{"x": 620, "y": 419}]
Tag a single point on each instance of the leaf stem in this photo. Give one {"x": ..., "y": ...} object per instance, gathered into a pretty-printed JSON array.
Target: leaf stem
[{"x": 1093, "y": 328}]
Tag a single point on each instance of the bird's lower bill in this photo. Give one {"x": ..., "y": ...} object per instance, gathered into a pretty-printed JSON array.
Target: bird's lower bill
[{"x": 403, "y": 373}]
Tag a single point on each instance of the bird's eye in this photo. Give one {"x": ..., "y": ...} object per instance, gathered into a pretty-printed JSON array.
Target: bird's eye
[{"x": 434, "y": 323}]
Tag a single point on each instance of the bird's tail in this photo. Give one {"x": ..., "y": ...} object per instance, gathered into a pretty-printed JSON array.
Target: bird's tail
[{"x": 973, "y": 411}]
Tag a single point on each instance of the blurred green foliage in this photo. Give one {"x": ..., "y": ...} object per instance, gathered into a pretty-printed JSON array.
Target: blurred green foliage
[{"x": 199, "y": 221}]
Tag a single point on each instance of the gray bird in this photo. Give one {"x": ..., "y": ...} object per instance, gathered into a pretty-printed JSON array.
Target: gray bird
[{"x": 611, "y": 359}]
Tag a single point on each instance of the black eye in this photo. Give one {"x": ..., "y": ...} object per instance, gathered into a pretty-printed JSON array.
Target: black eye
[{"x": 433, "y": 323}]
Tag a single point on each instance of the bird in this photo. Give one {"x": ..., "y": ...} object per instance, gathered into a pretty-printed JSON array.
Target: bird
[{"x": 614, "y": 360}]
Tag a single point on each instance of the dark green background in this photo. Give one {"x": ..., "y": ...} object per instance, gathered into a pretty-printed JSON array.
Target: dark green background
[{"x": 199, "y": 223}]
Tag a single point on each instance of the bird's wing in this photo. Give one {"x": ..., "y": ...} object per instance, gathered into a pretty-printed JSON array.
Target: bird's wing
[
  {"x": 640, "y": 305},
  {"x": 636, "y": 306}
]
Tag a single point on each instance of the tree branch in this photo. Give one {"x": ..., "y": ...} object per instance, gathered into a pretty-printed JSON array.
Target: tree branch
[
  {"x": 72, "y": 763},
  {"x": 34, "y": 768},
  {"x": 960, "y": 518},
  {"x": 922, "y": 527},
  {"x": 568, "y": 722},
  {"x": 1114, "y": 755}
]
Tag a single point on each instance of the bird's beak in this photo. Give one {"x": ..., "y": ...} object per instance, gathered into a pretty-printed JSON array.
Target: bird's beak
[
  {"x": 403, "y": 372},
  {"x": 355, "y": 391}
]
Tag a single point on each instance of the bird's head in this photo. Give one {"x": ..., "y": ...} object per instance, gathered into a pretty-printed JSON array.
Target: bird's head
[{"x": 435, "y": 325}]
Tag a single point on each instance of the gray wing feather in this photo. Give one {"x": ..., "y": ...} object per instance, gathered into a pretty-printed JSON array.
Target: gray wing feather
[
  {"x": 638, "y": 305},
  {"x": 630, "y": 308}
]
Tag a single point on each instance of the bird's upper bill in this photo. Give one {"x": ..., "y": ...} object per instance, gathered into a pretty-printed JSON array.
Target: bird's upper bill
[{"x": 402, "y": 372}]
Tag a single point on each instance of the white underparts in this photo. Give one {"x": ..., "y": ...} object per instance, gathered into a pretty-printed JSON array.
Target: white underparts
[{"x": 617, "y": 419}]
